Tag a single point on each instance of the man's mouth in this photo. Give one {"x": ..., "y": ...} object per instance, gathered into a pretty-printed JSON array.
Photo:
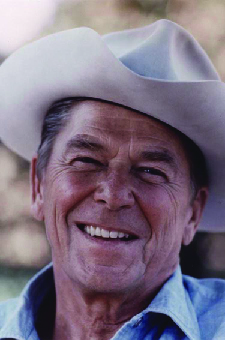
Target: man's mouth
[{"x": 99, "y": 232}]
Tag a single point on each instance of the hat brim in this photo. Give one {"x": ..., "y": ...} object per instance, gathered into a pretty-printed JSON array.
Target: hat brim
[{"x": 77, "y": 63}]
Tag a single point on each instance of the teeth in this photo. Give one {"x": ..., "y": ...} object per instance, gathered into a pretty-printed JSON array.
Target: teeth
[
  {"x": 92, "y": 231},
  {"x": 96, "y": 231},
  {"x": 121, "y": 235},
  {"x": 114, "y": 234},
  {"x": 104, "y": 233}
]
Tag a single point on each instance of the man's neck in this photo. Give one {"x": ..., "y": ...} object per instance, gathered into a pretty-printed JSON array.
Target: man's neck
[
  {"x": 85, "y": 315},
  {"x": 94, "y": 316}
]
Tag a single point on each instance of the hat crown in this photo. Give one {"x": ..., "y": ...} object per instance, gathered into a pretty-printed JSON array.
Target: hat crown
[{"x": 167, "y": 52}]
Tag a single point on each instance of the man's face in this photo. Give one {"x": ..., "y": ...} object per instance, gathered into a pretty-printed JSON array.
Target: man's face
[{"x": 116, "y": 173}]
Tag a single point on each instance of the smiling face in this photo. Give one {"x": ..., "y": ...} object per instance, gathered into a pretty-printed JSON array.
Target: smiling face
[{"x": 116, "y": 199}]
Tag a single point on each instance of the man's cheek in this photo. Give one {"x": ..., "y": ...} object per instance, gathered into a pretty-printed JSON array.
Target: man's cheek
[{"x": 75, "y": 187}]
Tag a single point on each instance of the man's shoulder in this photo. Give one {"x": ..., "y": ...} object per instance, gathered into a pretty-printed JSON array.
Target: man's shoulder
[
  {"x": 211, "y": 288},
  {"x": 208, "y": 299},
  {"x": 7, "y": 309}
]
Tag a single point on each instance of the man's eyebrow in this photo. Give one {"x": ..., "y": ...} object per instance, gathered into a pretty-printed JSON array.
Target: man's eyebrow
[
  {"x": 83, "y": 142},
  {"x": 159, "y": 156}
]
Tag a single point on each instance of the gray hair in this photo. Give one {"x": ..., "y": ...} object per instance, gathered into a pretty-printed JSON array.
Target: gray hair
[{"x": 55, "y": 120}]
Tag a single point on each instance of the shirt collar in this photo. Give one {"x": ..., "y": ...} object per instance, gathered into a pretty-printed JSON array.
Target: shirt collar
[
  {"x": 20, "y": 324},
  {"x": 173, "y": 301}
]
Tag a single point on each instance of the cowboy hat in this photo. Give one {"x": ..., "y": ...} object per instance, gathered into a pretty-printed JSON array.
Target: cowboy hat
[{"x": 159, "y": 70}]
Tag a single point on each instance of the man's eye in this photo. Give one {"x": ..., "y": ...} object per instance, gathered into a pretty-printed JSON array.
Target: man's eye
[
  {"x": 85, "y": 163},
  {"x": 86, "y": 160},
  {"x": 152, "y": 171},
  {"x": 152, "y": 174}
]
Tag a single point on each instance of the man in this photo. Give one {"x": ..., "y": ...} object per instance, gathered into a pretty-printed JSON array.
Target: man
[{"x": 128, "y": 131}]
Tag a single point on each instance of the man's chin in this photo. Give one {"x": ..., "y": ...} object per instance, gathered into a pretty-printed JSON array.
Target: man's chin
[{"x": 100, "y": 278}]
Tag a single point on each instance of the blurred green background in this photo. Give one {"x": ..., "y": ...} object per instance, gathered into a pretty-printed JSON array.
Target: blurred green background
[{"x": 23, "y": 245}]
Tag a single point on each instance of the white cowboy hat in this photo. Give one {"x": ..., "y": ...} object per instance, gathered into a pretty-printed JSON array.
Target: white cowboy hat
[{"x": 160, "y": 70}]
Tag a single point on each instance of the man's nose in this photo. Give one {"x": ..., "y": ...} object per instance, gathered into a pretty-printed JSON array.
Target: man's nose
[{"x": 115, "y": 191}]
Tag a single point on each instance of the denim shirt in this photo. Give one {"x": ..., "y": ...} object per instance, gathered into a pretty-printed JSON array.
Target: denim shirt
[{"x": 184, "y": 308}]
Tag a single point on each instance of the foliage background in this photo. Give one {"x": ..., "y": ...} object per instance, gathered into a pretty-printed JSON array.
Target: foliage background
[{"x": 23, "y": 245}]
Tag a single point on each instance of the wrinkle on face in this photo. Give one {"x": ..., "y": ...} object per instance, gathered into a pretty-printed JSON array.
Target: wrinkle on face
[{"x": 121, "y": 140}]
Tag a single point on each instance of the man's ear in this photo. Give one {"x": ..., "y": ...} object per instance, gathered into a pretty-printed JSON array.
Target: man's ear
[
  {"x": 36, "y": 192},
  {"x": 195, "y": 214}
]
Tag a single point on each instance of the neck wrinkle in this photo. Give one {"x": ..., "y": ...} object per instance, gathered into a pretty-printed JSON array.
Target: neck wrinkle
[{"x": 83, "y": 314}]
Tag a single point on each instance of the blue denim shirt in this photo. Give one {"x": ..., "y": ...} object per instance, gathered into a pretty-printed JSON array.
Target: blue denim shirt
[{"x": 184, "y": 308}]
